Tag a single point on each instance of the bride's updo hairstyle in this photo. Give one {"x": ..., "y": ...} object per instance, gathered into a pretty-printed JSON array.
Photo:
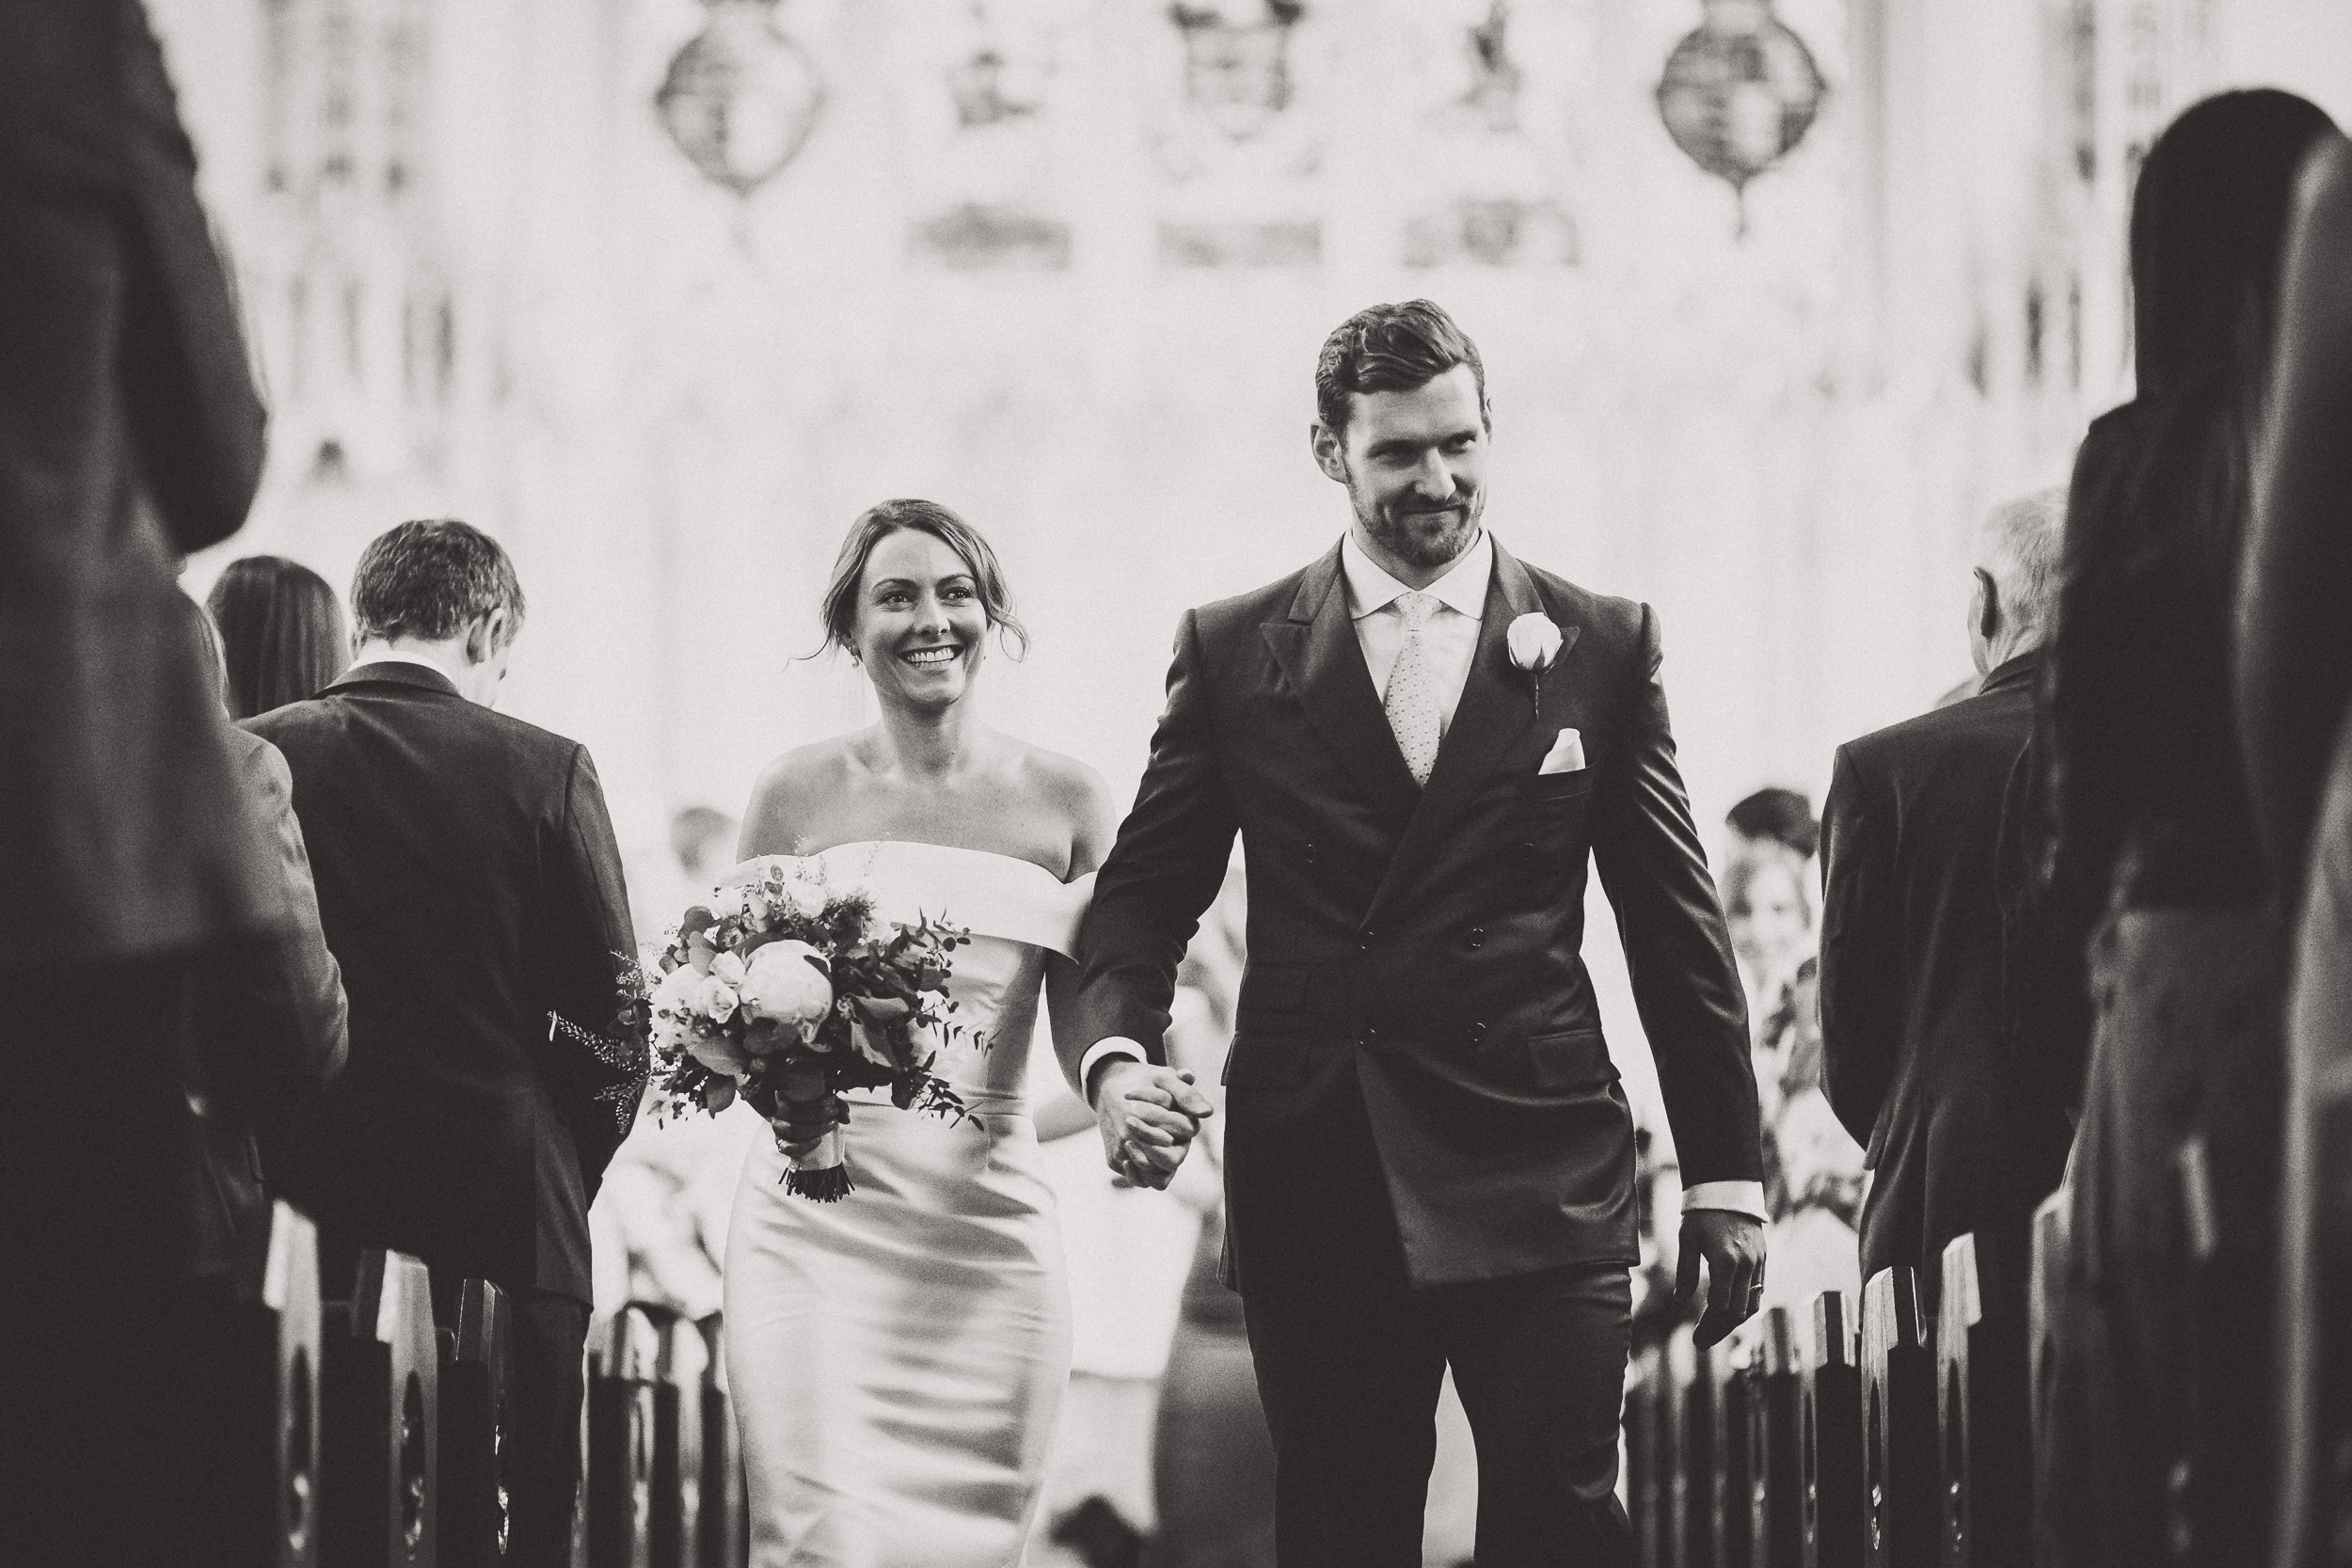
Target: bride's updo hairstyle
[{"x": 877, "y": 523}]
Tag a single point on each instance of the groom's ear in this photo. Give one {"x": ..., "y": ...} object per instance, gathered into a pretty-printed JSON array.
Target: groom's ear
[{"x": 1331, "y": 450}]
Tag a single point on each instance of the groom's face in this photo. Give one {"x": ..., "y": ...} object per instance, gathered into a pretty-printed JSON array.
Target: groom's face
[{"x": 1414, "y": 462}]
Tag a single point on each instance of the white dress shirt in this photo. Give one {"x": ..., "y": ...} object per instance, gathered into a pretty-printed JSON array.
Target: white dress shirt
[{"x": 1449, "y": 642}]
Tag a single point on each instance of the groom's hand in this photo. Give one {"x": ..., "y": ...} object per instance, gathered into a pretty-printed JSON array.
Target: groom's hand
[
  {"x": 1148, "y": 1116},
  {"x": 1733, "y": 1247}
]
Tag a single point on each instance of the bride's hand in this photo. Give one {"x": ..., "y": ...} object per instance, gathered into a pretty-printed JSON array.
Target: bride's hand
[
  {"x": 1148, "y": 1116},
  {"x": 802, "y": 1125}
]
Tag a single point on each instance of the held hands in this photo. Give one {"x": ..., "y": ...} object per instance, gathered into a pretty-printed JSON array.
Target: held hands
[
  {"x": 1148, "y": 1116},
  {"x": 1733, "y": 1247}
]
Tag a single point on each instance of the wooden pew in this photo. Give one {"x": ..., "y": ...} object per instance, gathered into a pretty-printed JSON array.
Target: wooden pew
[
  {"x": 1689, "y": 1452},
  {"x": 379, "y": 1447},
  {"x": 477, "y": 1415},
  {"x": 1731, "y": 1498},
  {"x": 1835, "y": 1508},
  {"x": 1898, "y": 1418},
  {"x": 1776, "y": 1446},
  {"x": 1646, "y": 1464},
  {"x": 254, "y": 1484},
  {"x": 624, "y": 1351},
  {"x": 678, "y": 1446},
  {"x": 1983, "y": 1400},
  {"x": 723, "y": 1539}
]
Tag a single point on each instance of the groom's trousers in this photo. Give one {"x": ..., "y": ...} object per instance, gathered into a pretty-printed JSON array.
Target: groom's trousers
[{"x": 1351, "y": 1357}]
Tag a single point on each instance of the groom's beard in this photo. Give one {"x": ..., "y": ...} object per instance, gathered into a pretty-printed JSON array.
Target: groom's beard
[{"x": 1421, "y": 536}]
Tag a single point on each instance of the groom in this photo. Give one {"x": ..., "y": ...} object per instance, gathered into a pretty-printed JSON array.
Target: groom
[{"x": 1429, "y": 1164}]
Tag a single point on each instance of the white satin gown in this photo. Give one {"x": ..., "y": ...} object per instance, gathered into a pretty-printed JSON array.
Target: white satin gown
[{"x": 898, "y": 1358}]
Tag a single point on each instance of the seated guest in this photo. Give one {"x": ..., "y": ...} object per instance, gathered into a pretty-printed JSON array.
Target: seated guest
[
  {"x": 281, "y": 633},
  {"x": 1911, "y": 954},
  {"x": 468, "y": 881}
]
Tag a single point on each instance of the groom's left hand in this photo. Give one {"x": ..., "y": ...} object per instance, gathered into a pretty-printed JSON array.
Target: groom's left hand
[{"x": 1732, "y": 1245}]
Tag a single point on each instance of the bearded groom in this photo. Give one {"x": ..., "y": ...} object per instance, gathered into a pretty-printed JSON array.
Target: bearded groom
[{"x": 1429, "y": 1164}]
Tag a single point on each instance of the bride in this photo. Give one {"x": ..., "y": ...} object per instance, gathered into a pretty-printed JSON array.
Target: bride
[{"x": 897, "y": 1357}]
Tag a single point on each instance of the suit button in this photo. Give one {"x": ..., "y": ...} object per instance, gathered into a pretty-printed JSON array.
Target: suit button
[
  {"x": 1477, "y": 1033},
  {"x": 1311, "y": 852},
  {"x": 1369, "y": 1037},
  {"x": 1365, "y": 938},
  {"x": 1478, "y": 936},
  {"x": 1527, "y": 848}
]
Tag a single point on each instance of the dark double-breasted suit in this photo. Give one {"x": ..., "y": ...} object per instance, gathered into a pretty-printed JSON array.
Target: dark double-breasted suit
[
  {"x": 470, "y": 884},
  {"x": 1422, "y": 1105}
]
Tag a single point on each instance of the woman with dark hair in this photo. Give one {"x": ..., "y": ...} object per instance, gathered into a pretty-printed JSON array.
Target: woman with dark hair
[
  {"x": 2163, "y": 1441},
  {"x": 898, "y": 1356},
  {"x": 281, "y": 633}
]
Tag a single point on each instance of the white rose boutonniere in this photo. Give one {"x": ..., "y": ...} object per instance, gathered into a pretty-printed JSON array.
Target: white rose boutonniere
[{"x": 1534, "y": 644}]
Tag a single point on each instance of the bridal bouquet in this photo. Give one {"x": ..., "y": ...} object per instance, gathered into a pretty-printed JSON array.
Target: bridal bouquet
[{"x": 779, "y": 990}]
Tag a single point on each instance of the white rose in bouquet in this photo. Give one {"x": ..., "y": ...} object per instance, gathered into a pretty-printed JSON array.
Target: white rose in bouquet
[
  {"x": 788, "y": 984},
  {"x": 673, "y": 1005}
]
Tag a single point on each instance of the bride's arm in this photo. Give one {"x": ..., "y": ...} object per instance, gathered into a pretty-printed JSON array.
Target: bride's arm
[{"x": 777, "y": 821}]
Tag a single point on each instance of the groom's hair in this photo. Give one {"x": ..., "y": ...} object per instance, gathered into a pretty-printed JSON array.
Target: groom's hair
[
  {"x": 877, "y": 523},
  {"x": 429, "y": 579},
  {"x": 1391, "y": 348}
]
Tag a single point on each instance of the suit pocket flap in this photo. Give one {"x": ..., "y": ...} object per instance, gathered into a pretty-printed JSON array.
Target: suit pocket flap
[
  {"x": 1577, "y": 1059},
  {"x": 1282, "y": 987},
  {"x": 1265, "y": 1062}
]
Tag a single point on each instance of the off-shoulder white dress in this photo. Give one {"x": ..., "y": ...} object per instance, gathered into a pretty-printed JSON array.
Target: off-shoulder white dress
[{"x": 898, "y": 1358}]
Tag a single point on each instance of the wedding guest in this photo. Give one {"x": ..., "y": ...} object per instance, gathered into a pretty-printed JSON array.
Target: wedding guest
[
  {"x": 468, "y": 882},
  {"x": 1812, "y": 1168},
  {"x": 130, "y": 433},
  {"x": 281, "y": 633},
  {"x": 1916, "y": 1062},
  {"x": 267, "y": 1019},
  {"x": 2163, "y": 1447},
  {"x": 2294, "y": 718}
]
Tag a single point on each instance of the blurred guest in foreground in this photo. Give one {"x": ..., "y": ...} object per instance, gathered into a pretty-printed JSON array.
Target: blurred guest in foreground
[
  {"x": 281, "y": 633},
  {"x": 1916, "y": 1062},
  {"x": 2295, "y": 693},
  {"x": 130, "y": 433},
  {"x": 1812, "y": 1169},
  {"x": 2162, "y": 1446},
  {"x": 469, "y": 883}
]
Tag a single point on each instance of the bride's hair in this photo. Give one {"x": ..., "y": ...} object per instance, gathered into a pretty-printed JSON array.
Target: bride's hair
[{"x": 838, "y": 610}]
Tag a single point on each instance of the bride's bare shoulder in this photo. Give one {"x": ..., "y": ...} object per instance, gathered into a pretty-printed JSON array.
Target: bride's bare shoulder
[
  {"x": 1077, "y": 796},
  {"x": 790, "y": 791}
]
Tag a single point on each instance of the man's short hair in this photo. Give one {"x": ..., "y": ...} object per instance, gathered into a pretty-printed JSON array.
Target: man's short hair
[
  {"x": 430, "y": 580},
  {"x": 2024, "y": 542},
  {"x": 1391, "y": 348}
]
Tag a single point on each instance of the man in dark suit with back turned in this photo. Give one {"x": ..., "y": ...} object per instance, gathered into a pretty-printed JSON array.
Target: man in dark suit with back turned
[
  {"x": 1922, "y": 940},
  {"x": 470, "y": 884},
  {"x": 1430, "y": 1162}
]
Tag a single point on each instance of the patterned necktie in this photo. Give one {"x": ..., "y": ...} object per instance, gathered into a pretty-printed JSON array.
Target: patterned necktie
[{"x": 1411, "y": 699}]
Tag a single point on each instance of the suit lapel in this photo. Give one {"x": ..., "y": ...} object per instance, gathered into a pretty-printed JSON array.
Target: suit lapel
[
  {"x": 1497, "y": 709},
  {"x": 1316, "y": 647}
]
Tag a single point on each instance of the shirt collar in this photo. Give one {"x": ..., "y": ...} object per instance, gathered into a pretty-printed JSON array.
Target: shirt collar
[
  {"x": 1463, "y": 589},
  {"x": 393, "y": 656}
]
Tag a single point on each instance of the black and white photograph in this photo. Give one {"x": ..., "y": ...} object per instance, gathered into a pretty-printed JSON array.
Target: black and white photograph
[{"x": 1176, "y": 784}]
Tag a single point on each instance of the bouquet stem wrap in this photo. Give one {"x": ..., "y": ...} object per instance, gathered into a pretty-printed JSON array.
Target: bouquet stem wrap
[{"x": 823, "y": 1173}]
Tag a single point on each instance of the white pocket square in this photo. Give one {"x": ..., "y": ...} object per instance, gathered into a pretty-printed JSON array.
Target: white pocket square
[{"x": 1565, "y": 756}]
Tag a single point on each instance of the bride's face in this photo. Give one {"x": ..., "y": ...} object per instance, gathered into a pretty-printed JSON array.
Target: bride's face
[{"x": 920, "y": 626}]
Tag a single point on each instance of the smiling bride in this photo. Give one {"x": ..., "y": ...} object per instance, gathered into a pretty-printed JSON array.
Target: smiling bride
[{"x": 897, "y": 1357}]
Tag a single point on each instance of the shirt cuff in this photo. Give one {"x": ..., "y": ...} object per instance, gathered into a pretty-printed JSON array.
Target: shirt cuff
[
  {"x": 1119, "y": 1045},
  {"x": 1736, "y": 1197}
]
